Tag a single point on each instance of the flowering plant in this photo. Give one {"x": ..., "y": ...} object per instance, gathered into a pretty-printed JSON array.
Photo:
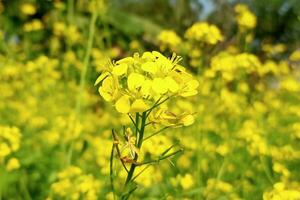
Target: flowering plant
[{"x": 139, "y": 86}]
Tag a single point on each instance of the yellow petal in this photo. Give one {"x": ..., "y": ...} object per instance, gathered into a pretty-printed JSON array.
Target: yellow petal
[
  {"x": 101, "y": 78},
  {"x": 188, "y": 120},
  {"x": 158, "y": 55},
  {"x": 134, "y": 81},
  {"x": 149, "y": 67},
  {"x": 171, "y": 84},
  {"x": 149, "y": 56},
  {"x": 159, "y": 86},
  {"x": 189, "y": 93},
  {"x": 145, "y": 90},
  {"x": 123, "y": 104},
  {"x": 193, "y": 84},
  {"x": 128, "y": 60},
  {"x": 106, "y": 96},
  {"x": 139, "y": 106},
  {"x": 120, "y": 69}
]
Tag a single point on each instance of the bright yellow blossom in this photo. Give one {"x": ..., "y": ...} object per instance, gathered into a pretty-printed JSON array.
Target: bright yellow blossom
[
  {"x": 135, "y": 83},
  {"x": 245, "y": 18},
  {"x": 168, "y": 39},
  {"x": 204, "y": 32},
  {"x": 28, "y": 9}
]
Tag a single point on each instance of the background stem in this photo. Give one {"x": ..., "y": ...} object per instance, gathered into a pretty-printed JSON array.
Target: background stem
[{"x": 83, "y": 76}]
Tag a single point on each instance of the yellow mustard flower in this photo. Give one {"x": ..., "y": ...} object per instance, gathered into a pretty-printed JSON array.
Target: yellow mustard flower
[
  {"x": 28, "y": 9},
  {"x": 135, "y": 83},
  {"x": 245, "y": 18},
  {"x": 12, "y": 164},
  {"x": 168, "y": 39},
  {"x": 204, "y": 32}
]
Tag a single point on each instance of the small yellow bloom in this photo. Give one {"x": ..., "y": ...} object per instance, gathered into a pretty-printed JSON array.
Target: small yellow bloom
[
  {"x": 168, "y": 39},
  {"x": 204, "y": 32},
  {"x": 13, "y": 164},
  {"x": 245, "y": 18},
  {"x": 187, "y": 181},
  {"x": 28, "y": 9}
]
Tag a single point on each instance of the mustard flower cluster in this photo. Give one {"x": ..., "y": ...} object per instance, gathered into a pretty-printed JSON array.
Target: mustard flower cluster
[
  {"x": 204, "y": 32},
  {"x": 234, "y": 66},
  {"x": 186, "y": 182},
  {"x": 215, "y": 188},
  {"x": 228, "y": 65},
  {"x": 135, "y": 84},
  {"x": 245, "y": 18},
  {"x": 282, "y": 191},
  {"x": 74, "y": 184},
  {"x": 33, "y": 25},
  {"x": 168, "y": 39},
  {"x": 10, "y": 139}
]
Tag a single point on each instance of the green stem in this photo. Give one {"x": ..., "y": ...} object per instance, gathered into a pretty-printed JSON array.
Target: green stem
[
  {"x": 221, "y": 170},
  {"x": 268, "y": 174},
  {"x": 161, "y": 158},
  {"x": 86, "y": 61},
  {"x": 157, "y": 132},
  {"x": 139, "y": 144},
  {"x": 111, "y": 170},
  {"x": 83, "y": 75},
  {"x": 143, "y": 125},
  {"x": 70, "y": 11},
  {"x": 137, "y": 117},
  {"x": 24, "y": 188}
]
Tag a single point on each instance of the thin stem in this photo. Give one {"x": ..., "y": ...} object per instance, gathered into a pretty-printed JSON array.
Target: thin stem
[
  {"x": 221, "y": 170},
  {"x": 83, "y": 76},
  {"x": 86, "y": 60},
  {"x": 111, "y": 170},
  {"x": 139, "y": 144},
  {"x": 156, "y": 104},
  {"x": 157, "y": 132},
  {"x": 141, "y": 136},
  {"x": 137, "y": 119},
  {"x": 140, "y": 172},
  {"x": 70, "y": 11},
  {"x": 135, "y": 125},
  {"x": 160, "y": 158},
  {"x": 115, "y": 143},
  {"x": 266, "y": 170},
  {"x": 24, "y": 187},
  {"x": 126, "y": 196}
]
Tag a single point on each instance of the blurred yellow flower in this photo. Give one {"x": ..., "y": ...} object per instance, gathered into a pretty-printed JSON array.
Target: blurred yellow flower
[
  {"x": 33, "y": 25},
  {"x": 204, "y": 32},
  {"x": 295, "y": 56},
  {"x": 187, "y": 181},
  {"x": 28, "y": 9},
  {"x": 168, "y": 39},
  {"x": 12, "y": 164},
  {"x": 245, "y": 18}
]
